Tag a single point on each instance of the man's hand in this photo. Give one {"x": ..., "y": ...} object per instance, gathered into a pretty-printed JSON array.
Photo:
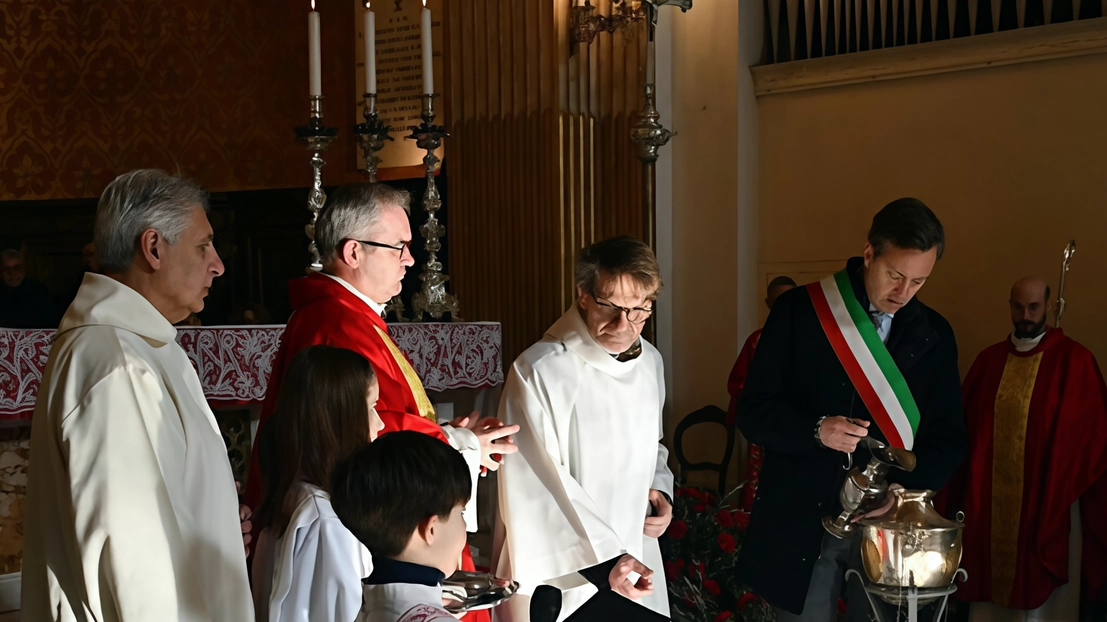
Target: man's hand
[
  {"x": 494, "y": 436},
  {"x": 889, "y": 501},
  {"x": 244, "y": 515},
  {"x": 843, "y": 434},
  {"x": 620, "y": 582},
  {"x": 656, "y": 525}
]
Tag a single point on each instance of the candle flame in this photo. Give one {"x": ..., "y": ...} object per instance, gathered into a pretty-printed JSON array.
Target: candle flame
[
  {"x": 366, "y": 5},
  {"x": 312, "y": 5},
  {"x": 424, "y": 4}
]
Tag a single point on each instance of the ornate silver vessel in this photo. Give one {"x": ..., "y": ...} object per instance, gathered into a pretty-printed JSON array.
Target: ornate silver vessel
[
  {"x": 865, "y": 491},
  {"x": 911, "y": 544}
]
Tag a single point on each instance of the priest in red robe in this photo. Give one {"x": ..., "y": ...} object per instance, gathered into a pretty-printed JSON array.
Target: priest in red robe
[
  {"x": 737, "y": 381},
  {"x": 1034, "y": 489},
  {"x": 363, "y": 238}
]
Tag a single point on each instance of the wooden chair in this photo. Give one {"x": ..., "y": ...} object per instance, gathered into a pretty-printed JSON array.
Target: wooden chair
[{"x": 707, "y": 414}]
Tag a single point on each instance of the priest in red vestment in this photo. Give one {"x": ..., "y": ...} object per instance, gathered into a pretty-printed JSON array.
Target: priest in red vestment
[
  {"x": 362, "y": 235},
  {"x": 1036, "y": 412},
  {"x": 737, "y": 380}
]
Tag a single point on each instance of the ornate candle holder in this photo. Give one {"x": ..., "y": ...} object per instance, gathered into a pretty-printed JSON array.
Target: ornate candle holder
[
  {"x": 371, "y": 135},
  {"x": 432, "y": 299},
  {"x": 317, "y": 138},
  {"x": 649, "y": 137}
]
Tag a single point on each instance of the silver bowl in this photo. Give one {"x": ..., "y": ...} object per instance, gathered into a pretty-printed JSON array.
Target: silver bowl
[{"x": 472, "y": 591}]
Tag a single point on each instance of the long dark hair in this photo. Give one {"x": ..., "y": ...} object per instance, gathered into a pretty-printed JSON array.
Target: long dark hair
[{"x": 321, "y": 418}]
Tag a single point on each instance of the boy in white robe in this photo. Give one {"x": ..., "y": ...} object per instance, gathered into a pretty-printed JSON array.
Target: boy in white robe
[
  {"x": 131, "y": 510},
  {"x": 403, "y": 496},
  {"x": 590, "y": 482}
]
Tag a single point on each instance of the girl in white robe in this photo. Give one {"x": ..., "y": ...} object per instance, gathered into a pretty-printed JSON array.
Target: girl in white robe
[{"x": 308, "y": 566}]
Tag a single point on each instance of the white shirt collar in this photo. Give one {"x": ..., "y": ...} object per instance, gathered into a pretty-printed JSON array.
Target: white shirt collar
[
  {"x": 1026, "y": 345},
  {"x": 377, "y": 307},
  {"x": 873, "y": 309}
]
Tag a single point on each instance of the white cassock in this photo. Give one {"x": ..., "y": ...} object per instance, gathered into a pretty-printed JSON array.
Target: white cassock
[
  {"x": 404, "y": 602},
  {"x": 313, "y": 571},
  {"x": 577, "y": 493},
  {"x": 131, "y": 510}
]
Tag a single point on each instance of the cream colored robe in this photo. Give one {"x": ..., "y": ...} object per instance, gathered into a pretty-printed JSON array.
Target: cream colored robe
[
  {"x": 312, "y": 572},
  {"x": 131, "y": 510},
  {"x": 577, "y": 493}
]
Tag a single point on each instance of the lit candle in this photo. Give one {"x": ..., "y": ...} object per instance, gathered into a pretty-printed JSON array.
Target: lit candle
[
  {"x": 428, "y": 60},
  {"x": 370, "y": 50},
  {"x": 315, "y": 58}
]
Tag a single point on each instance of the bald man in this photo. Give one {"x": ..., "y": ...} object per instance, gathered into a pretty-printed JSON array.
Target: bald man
[{"x": 1034, "y": 488}]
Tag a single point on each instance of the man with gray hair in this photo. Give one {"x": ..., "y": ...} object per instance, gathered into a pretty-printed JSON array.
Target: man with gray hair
[
  {"x": 363, "y": 237},
  {"x": 131, "y": 510}
]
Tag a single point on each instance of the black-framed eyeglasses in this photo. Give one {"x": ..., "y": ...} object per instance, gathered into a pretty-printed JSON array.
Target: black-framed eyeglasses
[
  {"x": 400, "y": 248},
  {"x": 635, "y": 315}
]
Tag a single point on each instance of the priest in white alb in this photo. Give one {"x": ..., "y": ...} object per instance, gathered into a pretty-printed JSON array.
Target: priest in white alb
[
  {"x": 590, "y": 485},
  {"x": 131, "y": 509}
]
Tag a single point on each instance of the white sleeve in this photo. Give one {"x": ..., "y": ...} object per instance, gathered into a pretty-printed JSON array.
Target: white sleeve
[
  {"x": 662, "y": 476},
  {"x": 466, "y": 443},
  {"x": 340, "y": 564},
  {"x": 133, "y": 554},
  {"x": 553, "y": 528}
]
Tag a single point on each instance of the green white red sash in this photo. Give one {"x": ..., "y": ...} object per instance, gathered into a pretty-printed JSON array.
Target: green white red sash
[{"x": 870, "y": 367}]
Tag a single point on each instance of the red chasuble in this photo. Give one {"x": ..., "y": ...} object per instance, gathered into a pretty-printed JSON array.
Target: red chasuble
[
  {"x": 326, "y": 313},
  {"x": 1037, "y": 425},
  {"x": 734, "y": 386}
]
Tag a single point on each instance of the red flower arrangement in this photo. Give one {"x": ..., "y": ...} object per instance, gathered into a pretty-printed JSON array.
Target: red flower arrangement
[{"x": 703, "y": 586}]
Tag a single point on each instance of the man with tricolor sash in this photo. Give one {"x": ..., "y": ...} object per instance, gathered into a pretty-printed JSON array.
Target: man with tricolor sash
[
  {"x": 363, "y": 237},
  {"x": 1034, "y": 487},
  {"x": 850, "y": 356}
]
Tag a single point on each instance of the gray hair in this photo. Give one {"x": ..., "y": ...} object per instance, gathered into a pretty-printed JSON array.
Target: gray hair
[
  {"x": 138, "y": 201},
  {"x": 351, "y": 213}
]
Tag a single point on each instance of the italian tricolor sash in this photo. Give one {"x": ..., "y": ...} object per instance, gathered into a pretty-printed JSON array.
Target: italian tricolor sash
[{"x": 870, "y": 367}]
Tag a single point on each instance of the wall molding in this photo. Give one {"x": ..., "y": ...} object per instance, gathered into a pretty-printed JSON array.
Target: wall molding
[{"x": 1078, "y": 38}]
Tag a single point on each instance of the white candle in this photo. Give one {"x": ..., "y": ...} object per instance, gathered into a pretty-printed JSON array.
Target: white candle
[
  {"x": 370, "y": 50},
  {"x": 428, "y": 53},
  {"x": 315, "y": 58}
]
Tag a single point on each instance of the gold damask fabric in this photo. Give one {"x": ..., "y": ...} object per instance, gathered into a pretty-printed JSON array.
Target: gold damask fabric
[
  {"x": 1012, "y": 408},
  {"x": 211, "y": 89}
]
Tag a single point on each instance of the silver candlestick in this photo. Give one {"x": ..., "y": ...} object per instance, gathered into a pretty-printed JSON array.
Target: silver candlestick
[
  {"x": 317, "y": 139},
  {"x": 432, "y": 299},
  {"x": 371, "y": 135}
]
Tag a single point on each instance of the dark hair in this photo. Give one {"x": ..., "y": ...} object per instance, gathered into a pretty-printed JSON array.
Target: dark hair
[
  {"x": 385, "y": 489},
  {"x": 618, "y": 256},
  {"x": 321, "y": 418},
  {"x": 780, "y": 281},
  {"x": 909, "y": 224}
]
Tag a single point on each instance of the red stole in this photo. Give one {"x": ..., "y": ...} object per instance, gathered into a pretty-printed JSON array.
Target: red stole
[
  {"x": 325, "y": 312},
  {"x": 1037, "y": 426}
]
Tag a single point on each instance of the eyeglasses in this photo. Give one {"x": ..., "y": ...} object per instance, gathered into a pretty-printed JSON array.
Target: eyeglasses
[
  {"x": 635, "y": 315},
  {"x": 401, "y": 247}
]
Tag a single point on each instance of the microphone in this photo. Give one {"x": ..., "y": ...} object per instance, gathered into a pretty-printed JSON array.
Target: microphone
[{"x": 545, "y": 604}]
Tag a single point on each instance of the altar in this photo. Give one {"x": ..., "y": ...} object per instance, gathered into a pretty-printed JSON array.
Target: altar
[{"x": 234, "y": 362}]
